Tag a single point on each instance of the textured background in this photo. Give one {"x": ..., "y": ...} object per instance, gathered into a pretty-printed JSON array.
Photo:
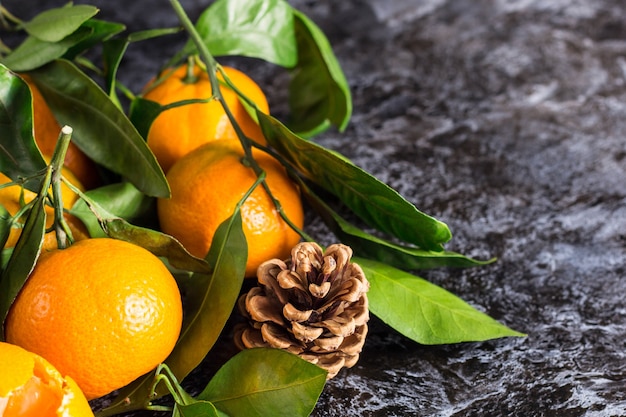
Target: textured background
[{"x": 506, "y": 119}]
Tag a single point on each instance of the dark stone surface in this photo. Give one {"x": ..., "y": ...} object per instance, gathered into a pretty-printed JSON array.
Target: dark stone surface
[{"x": 507, "y": 120}]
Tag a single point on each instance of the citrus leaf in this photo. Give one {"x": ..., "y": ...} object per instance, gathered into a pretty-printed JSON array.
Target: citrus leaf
[
  {"x": 101, "y": 30},
  {"x": 374, "y": 202},
  {"x": 127, "y": 200},
  {"x": 369, "y": 246},
  {"x": 211, "y": 297},
  {"x": 318, "y": 93},
  {"x": 142, "y": 113},
  {"x": 254, "y": 28},
  {"x": 5, "y": 226},
  {"x": 34, "y": 53},
  {"x": 101, "y": 129},
  {"x": 120, "y": 200},
  {"x": 112, "y": 52},
  {"x": 266, "y": 382},
  {"x": 195, "y": 409},
  {"x": 114, "y": 49},
  {"x": 5, "y": 255},
  {"x": 23, "y": 258},
  {"x": 425, "y": 312},
  {"x": 160, "y": 244},
  {"x": 19, "y": 156},
  {"x": 55, "y": 24}
]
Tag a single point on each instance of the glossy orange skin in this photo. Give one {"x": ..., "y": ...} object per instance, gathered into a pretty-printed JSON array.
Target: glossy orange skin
[
  {"x": 180, "y": 130},
  {"x": 207, "y": 184},
  {"x": 102, "y": 311}
]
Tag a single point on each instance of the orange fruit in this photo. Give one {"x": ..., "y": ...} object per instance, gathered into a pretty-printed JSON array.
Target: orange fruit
[
  {"x": 180, "y": 130},
  {"x": 10, "y": 200},
  {"x": 46, "y": 131},
  {"x": 31, "y": 387},
  {"x": 102, "y": 311},
  {"x": 207, "y": 184}
]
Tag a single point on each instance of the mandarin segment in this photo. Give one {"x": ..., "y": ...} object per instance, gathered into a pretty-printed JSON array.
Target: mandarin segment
[
  {"x": 180, "y": 130},
  {"x": 102, "y": 311},
  {"x": 31, "y": 387},
  {"x": 207, "y": 184}
]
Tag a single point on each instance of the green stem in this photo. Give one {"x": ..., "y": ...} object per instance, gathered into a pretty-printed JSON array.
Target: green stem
[
  {"x": 212, "y": 68},
  {"x": 286, "y": 219},
  {"x": 4, "y": 49},
  {"x": 294, "y": 174},
  {"x": 6, "y": 16},
  {"x": 190, "y": 76},
  {"x": 125, "y": 90},
  {"x": 178, "y": 393},
  {"x": 160, "y": 378},
  {"x": 56, "y": 164}
]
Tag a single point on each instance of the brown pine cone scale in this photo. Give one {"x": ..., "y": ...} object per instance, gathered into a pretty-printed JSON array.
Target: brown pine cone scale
[{"x": 313, "y": 305}]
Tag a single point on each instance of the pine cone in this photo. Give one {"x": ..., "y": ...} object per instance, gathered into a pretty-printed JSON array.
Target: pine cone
[{"x": 313, "y": 305}]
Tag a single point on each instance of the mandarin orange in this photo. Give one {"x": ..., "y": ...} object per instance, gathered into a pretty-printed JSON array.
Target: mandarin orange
[
  {"x": 179, "y": 130},
  {"x": 46, "y": 131},
  {"x": 102, "y": 311},
  {"x": 207, "y": 184}
]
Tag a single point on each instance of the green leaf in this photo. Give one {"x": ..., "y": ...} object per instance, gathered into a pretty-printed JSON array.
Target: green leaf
[
  {"x": 195, "y": 409},
  {"x": 254, "y": 28},
  {"x": 101, "y": 30},
  {"x": 266, "y": 382},
  {"x": 114, "y": 49},
  {"x": 210, "y": 301},
  {"x": 101, "y": 129},
  {"x": 55, "y": 24},
  {"x": 34, "y": 53},
  {"x": 424, "y": 312},
  {"x": 369, "y": 246},
  {"x": 126, "y": 200},
  {"x": 19, "y": 156},
  {"x": 112, "y": 52},
  {"x": 5, "y": 255},
  {"x": 5, "y": 226},
  {"x": 211, "y": 298},
  {"x": 120, "y": 200},
  {"x": 319, "y": 94},
  {"x": 160, "y": 244},
  {"x": 23, "y": 258},
  {"x": 374, "y": 202},
  {"x": 142, "y": 113}
]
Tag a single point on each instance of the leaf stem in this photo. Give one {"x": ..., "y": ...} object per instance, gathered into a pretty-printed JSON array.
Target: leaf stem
[
  {"x": 56, "y": 165},
  {"x": 212, "y": 68},
  {"x": 4, "y": 49},
  {"x": 247, "y": 143},
  {"x": 296, "y": 177},
  {"x": 176, "y": 390},
  {"x": 6, "y": 17},
  {"x": 190, "y": 76}
]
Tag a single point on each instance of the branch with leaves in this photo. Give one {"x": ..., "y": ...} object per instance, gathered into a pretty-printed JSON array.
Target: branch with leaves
[{"x": 52, "y": 53}]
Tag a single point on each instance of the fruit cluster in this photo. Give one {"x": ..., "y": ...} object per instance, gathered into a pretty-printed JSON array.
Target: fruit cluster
[{"x": 128, "y": 225}]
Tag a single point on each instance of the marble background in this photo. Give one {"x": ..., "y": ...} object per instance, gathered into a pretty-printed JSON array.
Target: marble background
[{"x": 506, "y": 119}]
